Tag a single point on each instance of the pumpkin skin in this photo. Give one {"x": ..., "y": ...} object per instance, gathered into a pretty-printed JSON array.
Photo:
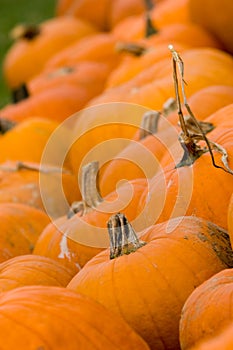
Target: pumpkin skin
[
  {"x": 27, "y": 313},
  {"x": 16, "y": 143},
  {"x": 216, "y": 17},
  {"x": 230, "y": 219},
  {"x": 26, "y": 270},
  {"x": 21, "y": 226},
  {"x": 73, "y": 242},
  {"x": 207, "y": 310},
  {"x": 148, "y": 287},
  {"x": 201, "y": 70},
  {"x": 57, "y": 104},
  {"x": 26, "y": 185},
  {"x": 98, "y": 47},
  {"x": 90, "y": 76},
  {"x": 54, "y": 35},
  {"x": 222, "y": 340},
  {"x": 105, "y": 14}
]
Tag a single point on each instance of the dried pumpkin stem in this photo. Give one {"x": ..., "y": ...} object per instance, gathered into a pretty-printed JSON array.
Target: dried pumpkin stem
[
  {"x": 25, "y": 31},
  {"x": 131, "y": 48},
  {"x": 20, "y": 93},
  {"x": 149, "y": 5},
  {"x": 123, "y": 239},
  {"x": 33, "y": 167},
  {"x": 149, "y": 124},
  {"x": 189, "y": 141},
  {"x": 91, "y": 197},
  {"x": 6, "y": 125}
]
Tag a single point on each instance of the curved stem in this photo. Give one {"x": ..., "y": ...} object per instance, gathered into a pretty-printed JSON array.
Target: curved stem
[
  {"x": 149, "y": 124},
  {"x": 91, "y": 197},
  {"x": 189, "y": 141},
  {"x": 123, "y": 239}
]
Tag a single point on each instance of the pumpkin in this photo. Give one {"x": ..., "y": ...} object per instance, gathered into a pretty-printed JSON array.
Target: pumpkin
[
  {"x": 102, "y": 131},
  {"x": 38, "y": 185},
  {"x": 204, "y": 67},
  {"x": 38, "y": 44},
  {"x": 17, "y": 143},
  {"x": 222, "y": 340},
  {"x": 99, "y": 47},
  {"x": 216, "y": 17},
  {"x": 21, "y": 226},
  {"x": 148, "y": 280},
  {"x": 207, "y": 310},
  {"x": 75, "y": 239},
  {"x": 141, "y": 157},
  {"x": 26, "y": 270},
  {"x": 230, "y": 219},
  {"x": 57, "y": 103},
  {"x": 40, "y": 317},
  {"x": 90, "y": 76},
  {"x": 105, "y": 14}
]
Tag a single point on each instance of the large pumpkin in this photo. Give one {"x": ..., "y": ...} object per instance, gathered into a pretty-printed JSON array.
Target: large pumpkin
[
  {"x": 148, "y": 282},
  {"x": 45, "y": 317}
]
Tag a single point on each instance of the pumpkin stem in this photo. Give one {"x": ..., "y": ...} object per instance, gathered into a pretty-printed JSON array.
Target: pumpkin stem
[
  {"x": 20, "y": 93},
  {"x": 6, "y": 125},
  {"x": 189, "y": 140},
  {"x": 150, "y": 28},
  {"x": 149, "y": 124},
  {"x": 169, "y": 106},
  {"x": 17, "y": 166},
  {"x": 25, "y": 31},
  {"x": 123, "y": 239},
  {"x": 130, "y": 48},
  {"x": 91, "y": 197}
]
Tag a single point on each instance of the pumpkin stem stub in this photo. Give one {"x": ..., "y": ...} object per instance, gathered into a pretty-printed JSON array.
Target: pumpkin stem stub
[
  {"x": 6, "y": 125},
  {"x": 149, "y": 124},
  {"x": 25, "y": 31},
  {"x": 20, "y": 93},
  {"x": 131, "y": 48},
  {"x": 123, "y": 239}
]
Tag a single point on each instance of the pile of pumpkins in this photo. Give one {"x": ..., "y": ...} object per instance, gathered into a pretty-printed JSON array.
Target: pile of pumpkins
[{"x": 151, "y": 255}]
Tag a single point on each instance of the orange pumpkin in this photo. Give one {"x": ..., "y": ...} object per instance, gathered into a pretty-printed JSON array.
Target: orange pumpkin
[
  {"x": 216, "y": 17},
  {"x": 57, "y": 103},
  {"x": 17, "y": 143},
  {"x": 38, "y": 185},
  {"x": 207, "y": 310},
  {"x": 35, "y": 45},
  {"x": 230, "y": 219},
  {"x": 26, "y": 270},
  {"x": 38, "y": 317},
  {"x": 148, "y": 281},
  {"x": 21, "y": 226},
  {"x": 74, "y": 241},
  {"x": 221, "y": 340},
  {"x": 202, "y": 69}
]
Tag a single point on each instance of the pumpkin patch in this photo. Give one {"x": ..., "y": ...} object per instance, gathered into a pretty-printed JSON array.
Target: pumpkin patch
[{"x": 116, "y": 178}]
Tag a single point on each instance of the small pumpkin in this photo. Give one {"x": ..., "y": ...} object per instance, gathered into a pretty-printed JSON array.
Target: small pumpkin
[
  {"x": 26, "y": 270},
  {"x": 38, "y": 44}
]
